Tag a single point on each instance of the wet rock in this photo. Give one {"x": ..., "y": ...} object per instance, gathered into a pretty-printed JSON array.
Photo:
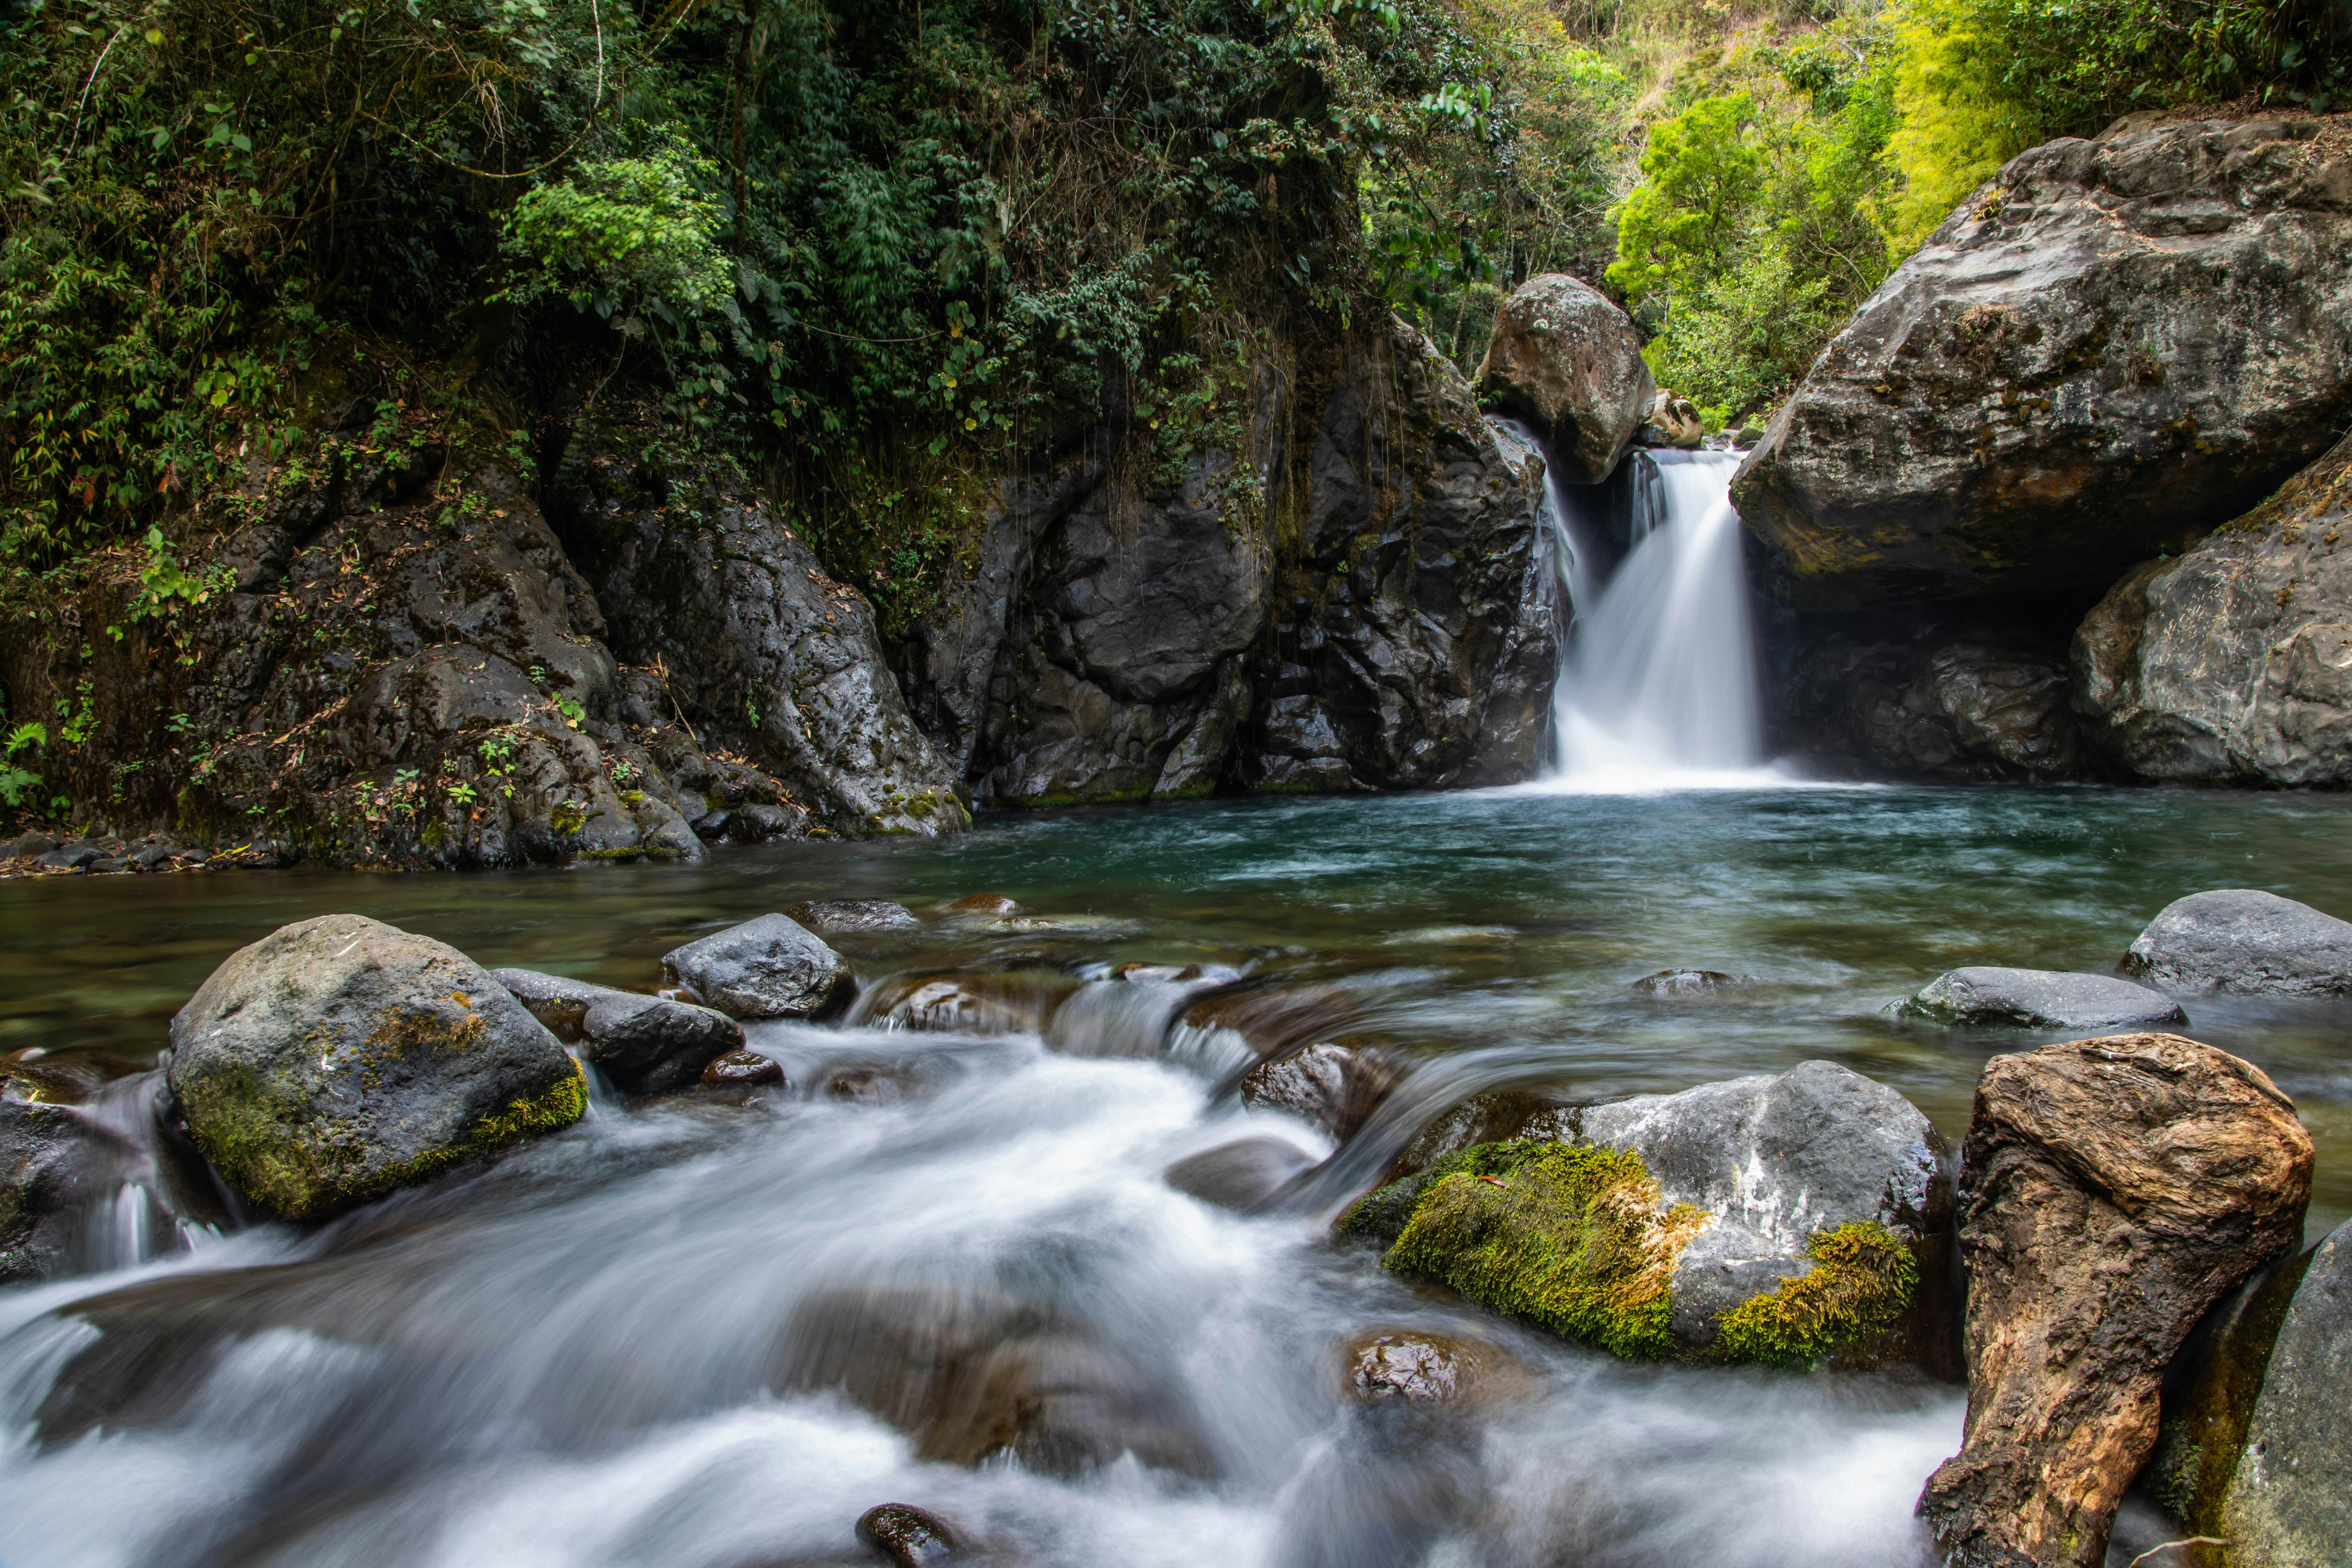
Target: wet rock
[
  {"x": 1569, "y": 363},
  {"x": 1245, "y": 1175},
  {"x": 338, "y": 1058},
  {"x": 2113, "y": 1190},
  {"x": 2232, "y": 662},
  {"x": 1674, "y": 421},
  {"x": 907, "y": 1535},
  {"x": 1788, "y": 1220},
  {"x": 44, "y": 1077},
  {"x": 649, "y": 1043},
  {"x": 1924, "y": 695},
  {"x": 1417, "y": 1367},
  {"x": 645, "y": 1044},
  {"x": 2290, "y": 1501},
  {"x": 854, "y": 917},
  {"x": 2094, "y": 359},
  {"x": 1669, "y": 983},
  {"x": 1274, "y": 1020},
  {"x": 30, "y": 846},
  {"x": 1335, "y": 1087},
  {"x": 766, "y": 968},
  {"x": 741, "y": 1069},
  {"x": 2042, "y": 999},
  {"x": 1015, "y": 1001},
  {"x": 871, "y": 1083},
  {"x": 49, "y": 1158},
  {"x": 981, "y": 904},
  {"x": 1497, "y": 1116},
  {"x": 970, "y": 1375},
  {"x": 2245, "y": 940}
]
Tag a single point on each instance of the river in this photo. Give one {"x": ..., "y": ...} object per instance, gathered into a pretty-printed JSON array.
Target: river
[{"x": 658, "y": 1339}]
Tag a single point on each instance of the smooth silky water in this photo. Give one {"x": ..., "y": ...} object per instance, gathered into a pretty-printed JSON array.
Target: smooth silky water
[{"x": 586, "y": 1354}]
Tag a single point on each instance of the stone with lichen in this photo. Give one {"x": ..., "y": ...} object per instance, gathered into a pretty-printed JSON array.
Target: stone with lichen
[{"x": 339, "y": 1059}]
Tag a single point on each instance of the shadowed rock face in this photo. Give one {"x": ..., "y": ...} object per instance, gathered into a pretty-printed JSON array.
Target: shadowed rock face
[
  {"x": 1569, "y": 363},
  {"x": 2112, "y": 1191},
  {"x": 338, "y": 1058},
  {"x": 2289, "y": 1500},
  {"x": 2100, "y": 354},
  {"x": 2231, "y": 663}
]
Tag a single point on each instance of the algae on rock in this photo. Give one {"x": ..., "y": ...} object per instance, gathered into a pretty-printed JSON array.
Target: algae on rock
[{"x": 1580, "y": 1240}]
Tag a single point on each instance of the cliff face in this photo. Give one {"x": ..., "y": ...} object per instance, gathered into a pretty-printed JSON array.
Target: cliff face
[{"x": 404, "y": 654}]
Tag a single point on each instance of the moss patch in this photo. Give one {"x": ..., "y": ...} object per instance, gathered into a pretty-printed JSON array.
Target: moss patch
[
  {"x": 1575, "y": 1239},
  {"x": 1861, "y": 1282}
]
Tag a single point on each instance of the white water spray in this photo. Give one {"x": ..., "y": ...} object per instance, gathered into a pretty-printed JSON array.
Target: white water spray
[{"x": 1657, "y": 686}]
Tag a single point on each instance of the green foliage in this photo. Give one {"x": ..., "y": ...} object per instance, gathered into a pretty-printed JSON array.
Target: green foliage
[
  {"x": 1574, "y": 1238},
  {"x": 17, "y": 782},
  {"x": 1860, "y": 1284},
  {"x": 627, "y": 237}
]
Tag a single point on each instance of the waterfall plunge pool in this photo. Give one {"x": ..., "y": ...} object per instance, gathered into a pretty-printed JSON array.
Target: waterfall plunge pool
[{"x": 598, "y": 1352}]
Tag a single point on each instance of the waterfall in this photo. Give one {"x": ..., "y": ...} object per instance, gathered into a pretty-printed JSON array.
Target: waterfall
[{"x": 1657, "y": 679}]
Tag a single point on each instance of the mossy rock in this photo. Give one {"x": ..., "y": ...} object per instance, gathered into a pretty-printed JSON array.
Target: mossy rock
[
  {"x": 340, "y": 1059},
  {"x": 1580, "y": 1240}
]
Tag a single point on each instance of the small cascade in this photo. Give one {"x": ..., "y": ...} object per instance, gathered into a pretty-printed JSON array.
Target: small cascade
[{"x": 1657, "y": 683}]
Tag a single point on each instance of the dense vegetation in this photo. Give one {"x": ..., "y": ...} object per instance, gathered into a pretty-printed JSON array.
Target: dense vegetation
[{"x": 867, "y": 251}]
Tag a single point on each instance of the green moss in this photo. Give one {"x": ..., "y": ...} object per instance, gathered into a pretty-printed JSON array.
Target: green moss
[
  {"x": 1575, "y": 1239},
  {"x": 1860, "y": 1284}
]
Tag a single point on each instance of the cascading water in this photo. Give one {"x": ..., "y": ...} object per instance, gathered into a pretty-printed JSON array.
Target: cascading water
[{"x": 1657, "y": 682}]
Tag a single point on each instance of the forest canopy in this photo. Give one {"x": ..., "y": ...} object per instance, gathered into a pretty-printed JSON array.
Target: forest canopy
[{"x": 856, "y": 246}]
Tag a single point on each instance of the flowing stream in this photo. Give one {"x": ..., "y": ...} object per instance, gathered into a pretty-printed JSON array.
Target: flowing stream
[
  {"x": 1658, "y": 685},
  {"x": 709, "y": 1331}
]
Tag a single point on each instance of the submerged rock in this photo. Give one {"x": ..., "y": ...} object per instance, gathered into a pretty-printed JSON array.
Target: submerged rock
[
  {"x": 854, "y": 917},
  {"x": 980, "y": 904},
  {"x": 2113, "y": 1190},
  {"x": 908, "y": 1536},
  {"x": 2289, "y": 1504},
  {"x": 989, "y": 1002},
  {"x": 1246, "y": 1175},
  {"x": 2232, "y": 662},
  {"x": 971, "y": 1374},
  {"x": 1783, "y": 1220},
  {"x": 766, "y": 968},
  {"x": 2042, "y": 999},
  {"x": 2096, "y": 358},
  {"x": 1685, "y": 983},
  {"x": 1418, "y": 1368},
  {"x": 1569, "y": 362},
  {"x": 338, "y": 1058},
  {"x": 2246, "y": 941},
  {"x": 1336, "y": 1087}
]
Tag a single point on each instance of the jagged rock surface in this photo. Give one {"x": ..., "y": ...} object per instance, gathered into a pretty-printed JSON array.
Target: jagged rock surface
[
  {"x": 2231, "y": 663},
  {"x": 2111, "y": 1190},
  {"x": 2098, "y": 355},
  {"x": 1934, "y": 701},
  {"x": 1569, "y": 363}
]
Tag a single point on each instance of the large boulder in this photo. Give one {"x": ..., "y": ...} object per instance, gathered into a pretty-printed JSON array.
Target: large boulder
[
  {"x": 2246, "y": 941},
  {"x": 648, "y": 1043},
  {"x": 2042, "y": 999},
  {"x": 770, "y": 967},
  {"x": 2099, "y": 354},
  {"x": 1923, "y": 700},
  {"x": 2289, "y": 1504},
  {"x": 1788, "y": 1220},
  {"x": 1569, "y": 363},
  {"x": 2231, "y": 663},
  {"x": 338, "y": 1058},
  {"x": 2112, "y": 1191}
]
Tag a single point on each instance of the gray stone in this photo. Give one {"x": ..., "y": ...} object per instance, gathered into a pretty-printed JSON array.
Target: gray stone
[
  {"x": 340, "y": 1058},
  {"x": 766, "y": 968},
  {"x": 2289, "y": 1505},
  {"x": 51, "y": 1162},
  {"x": 1938, "y": 700},
  {"x": 1686, "y": 983},
  {"x": 1567, "y": 361},
  {"x": 845, "y": 916},
  {"x": 30, "y": 846},
  {"x": 1776, "y": 1160},
  {"x": 2099, "y": 354},
  {"x": 2042, "y": 999},
  {"x": 76, "y": 858},
  {"x": 908, "y": 1536},
  {"x": 2231, "y": 663},
  {"x": 1335, "y": 1087},
  {"x": 650, "y": 1043},
  {"x": 2246, "y": 941}
]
